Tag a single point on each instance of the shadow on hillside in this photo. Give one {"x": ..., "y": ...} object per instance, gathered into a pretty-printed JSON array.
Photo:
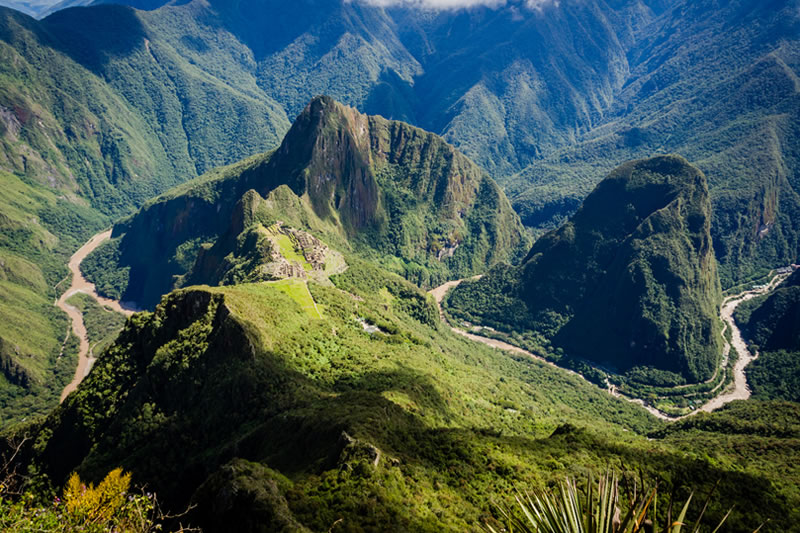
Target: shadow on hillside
[
  {"x": 270, "y": 27},
  {"x": 95, "y": 36}
]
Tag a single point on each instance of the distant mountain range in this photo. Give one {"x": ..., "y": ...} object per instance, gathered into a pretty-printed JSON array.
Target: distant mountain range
[
  {"x": 545, "y": 100},
  {"x": 104, "y": 107}
]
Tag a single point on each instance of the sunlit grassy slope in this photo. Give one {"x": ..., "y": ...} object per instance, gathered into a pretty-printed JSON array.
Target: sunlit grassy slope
[{"x": 412, "y": 428}]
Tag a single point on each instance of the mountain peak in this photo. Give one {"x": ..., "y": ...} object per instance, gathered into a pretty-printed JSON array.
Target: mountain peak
[
  {"x": 326, "y": 155},
  {"x": 629, "y": 281},
  {"x": 362, "y": 183}
]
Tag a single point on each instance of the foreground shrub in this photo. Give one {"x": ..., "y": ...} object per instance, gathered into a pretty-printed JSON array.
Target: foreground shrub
[{"x": 598, "y": 509}]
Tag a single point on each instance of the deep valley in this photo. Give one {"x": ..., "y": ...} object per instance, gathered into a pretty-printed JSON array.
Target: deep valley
[{"x": 361, "y": 265}]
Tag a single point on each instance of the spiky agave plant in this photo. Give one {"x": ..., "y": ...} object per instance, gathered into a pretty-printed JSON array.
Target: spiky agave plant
[{"x": 597, "y": 510}]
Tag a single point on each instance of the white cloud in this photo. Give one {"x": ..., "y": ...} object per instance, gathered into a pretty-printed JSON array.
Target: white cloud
[
  {"x": 535, "y": 5},
  {"x": 538, "y": 5}
]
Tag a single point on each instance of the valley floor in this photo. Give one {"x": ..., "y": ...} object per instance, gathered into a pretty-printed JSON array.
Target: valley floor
[
  {"x": 81, "y": 285},
  {"x": 739, "y": 389}
]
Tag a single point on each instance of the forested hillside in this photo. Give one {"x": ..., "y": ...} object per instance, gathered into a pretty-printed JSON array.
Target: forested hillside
[
  {"x": 771, "y": 325},
  {"x": 629, "y": 282},
  {"x": 107, "y": 106},
  {"x": 95, "y": 118},
  {"x": 547, "y": 99},
  {"x": 393, "y": 193},
  {"x": 286, "y": 179},
  {"x": 261, "y": 412}
]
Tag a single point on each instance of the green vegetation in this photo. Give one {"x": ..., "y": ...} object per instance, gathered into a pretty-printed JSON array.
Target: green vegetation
[
  {"x": 240, "y": 399},
  {"x": 547, "y": 121},
  {"x": 289, "y": 251},
  {"x": 628, "y": 282},
  {"x": 102, "y": 324},
  {"x": 101, "y": 267},
  {"x": 390, "y": 192},
  {"x": 104, "y": 107},
  {"x": 567, "y": 510},
  {"x": 111, "y": 506},
  {"x": 775, "y": 375},
  {"x": 311, "y": 420},
  {"x": 297, "y": 290},
  {"x": 24, "y": 398},
  {"x": 756, "y": 436},
  {"x": 771, "y": 324},
  {"x": 730, "y": 111},
  {"x": 93, "y": 122},
  {"x": 39, "y": 229}
]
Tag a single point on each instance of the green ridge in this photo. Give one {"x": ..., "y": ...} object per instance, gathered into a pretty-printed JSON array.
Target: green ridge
[
  {"x": 238, "y": 391},
  {"x": 628, "y": 282},
  {"x": 391, "y": 192}
]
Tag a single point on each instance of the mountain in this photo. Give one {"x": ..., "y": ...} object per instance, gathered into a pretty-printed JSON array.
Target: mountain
[
  {"x": 292, "y": 381},
  {"x": 389, "y": 191},
  {"x": 549, "y": 99},
  {"x": 106, "y": 106},
  {"x": 628, "y": 282},
  {"x": 95, "y": 118},
  {"x": 771, "y": 325},
  {"x": 718, "y": 83},
  {"x": 545, "y": 99},
  {"x": 267, "y": 415}
]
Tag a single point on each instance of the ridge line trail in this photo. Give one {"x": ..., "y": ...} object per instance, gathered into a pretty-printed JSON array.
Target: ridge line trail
[
  {"x": 740, "y": 389},
  {"x": 81, "y": 284}
]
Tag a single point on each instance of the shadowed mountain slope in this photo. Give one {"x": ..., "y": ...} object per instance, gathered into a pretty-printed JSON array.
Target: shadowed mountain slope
[{"x": 629, "y": 281}]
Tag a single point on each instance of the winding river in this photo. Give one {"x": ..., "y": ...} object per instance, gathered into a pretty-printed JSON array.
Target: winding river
[
  {"x": 739, "y": 389},
  {"x": 80, "y": 284}
]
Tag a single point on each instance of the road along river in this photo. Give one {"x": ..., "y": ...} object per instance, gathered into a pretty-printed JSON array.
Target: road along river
[
  {"x": 739, "y": 390},
  {"x": 81, "y": 284}
]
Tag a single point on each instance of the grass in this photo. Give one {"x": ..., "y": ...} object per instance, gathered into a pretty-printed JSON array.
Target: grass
[
  {"x": 298, "y": 291},
  {"x": 289, "y": 250}
]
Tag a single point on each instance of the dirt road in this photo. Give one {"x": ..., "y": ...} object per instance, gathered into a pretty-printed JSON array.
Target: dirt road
[{"x": 81, "y": 284}]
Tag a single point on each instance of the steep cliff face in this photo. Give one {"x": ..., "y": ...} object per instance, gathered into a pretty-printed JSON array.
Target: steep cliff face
[
  {"x": 326, "y": 155},
  {"x": 384, "y": 189},
  {"x": 396, "y": 188},
  {"x": 651, "y": 289},
  {"x": 629, "y": 281}
]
